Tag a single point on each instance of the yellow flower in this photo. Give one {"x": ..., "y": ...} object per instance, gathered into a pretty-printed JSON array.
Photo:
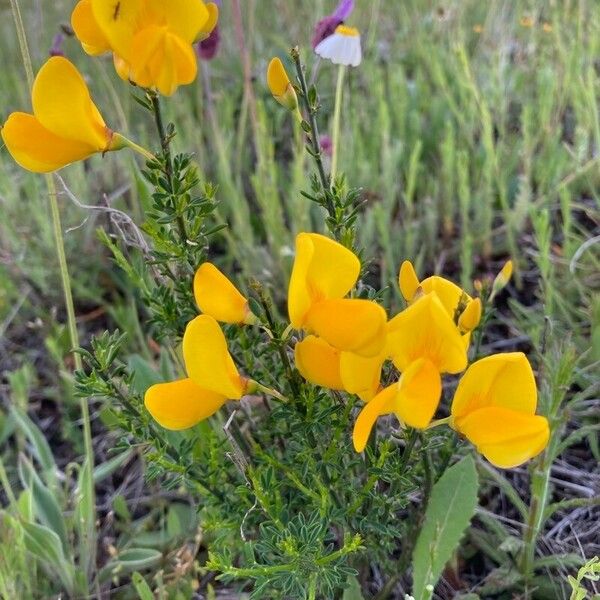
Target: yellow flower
[
  {"x": 280, "y": 85},
  {"x": 323, "y": 273},
  {"x": 213, "y": 379},
  {"x": 87, "y": 30},
  {"x": 218, "y": 297},
  {"x": 470, "y": 317},
  {"x": 362, "y": 375},
  {"x": 425, "y": 330},
  {"x": 323, "y": 269},
  {"x": 151, "y": 39},
  {"x": 413, "y": 399},
  {"x": 494, "y": 408},
  {"x": 502, "y": 279},
  {"x": 319, "y": 362},
  {"x": 207, "y": 359},
  {"x": 322, "y": 364},
  {"x": 181, "y": 404},
  {"x": 65, "y": 126}
]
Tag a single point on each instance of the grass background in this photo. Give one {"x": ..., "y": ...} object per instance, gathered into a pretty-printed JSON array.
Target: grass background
[{"x": 472, "y": 128}]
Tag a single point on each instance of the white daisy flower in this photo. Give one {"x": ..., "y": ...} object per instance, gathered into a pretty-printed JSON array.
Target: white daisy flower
[{"x": 342, "y": 47}]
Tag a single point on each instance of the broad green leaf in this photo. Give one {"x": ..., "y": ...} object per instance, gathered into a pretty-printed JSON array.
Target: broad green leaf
[
  {"x": 141, "y": 587},
  {"x": 41, "y": 448},
  {"x": 46, "y": 506},
  {"x": 45, "y": 545},
  {"x": 133, "y": 559},
  {"x": 451, "y": 506},
  {"x": 353, "y": 591}
]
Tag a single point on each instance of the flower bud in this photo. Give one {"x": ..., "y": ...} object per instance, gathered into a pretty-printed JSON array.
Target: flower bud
[{"x": 280, "y": 85}]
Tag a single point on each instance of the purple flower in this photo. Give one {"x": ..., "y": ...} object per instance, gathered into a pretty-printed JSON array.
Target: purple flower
[
  {"x": 56, "y": 49},
  {"x": 326, "y": 145},
  {"x": 208, "y": 48},
  {"x": 327, "y": 26}
]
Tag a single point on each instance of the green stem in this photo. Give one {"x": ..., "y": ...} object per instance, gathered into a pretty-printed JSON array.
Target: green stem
[
  {"x": 6, "y": 485},
  {"x": 66, "y": 285},
  {"x": 312, "y": 587},
  {"x": 337, "y": 114},
  {"x": 127, "y": 143},
  {"x": 165, "y": 143},
  {"x": 312, "y": 117}
]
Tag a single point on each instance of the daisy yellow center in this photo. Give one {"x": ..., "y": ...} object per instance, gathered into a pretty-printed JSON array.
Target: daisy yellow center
[{"x": 349, "y": 31}]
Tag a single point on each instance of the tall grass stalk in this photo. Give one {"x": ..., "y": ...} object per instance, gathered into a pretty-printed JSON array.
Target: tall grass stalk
[
  {"x": 89, "y": 559},
  {"x": 337, "y": 114}
]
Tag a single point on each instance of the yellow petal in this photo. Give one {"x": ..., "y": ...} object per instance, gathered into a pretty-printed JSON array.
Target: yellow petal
[
  {"x": 121, "y": 67},
  {"x": 87, "y": 30},
  {"x": 318, "y": 362},
  {"x": 120, "y": 21},
  {"x": 161, "y": 60},
  {"x": 382, "y": 404},
  {"x": 218, "y": 297},
  {"x": 211, "y": 23},
  {"x": 501, "y": 380},
  {"x": 448, "y": 292},
  {"x": 181, "y": 404},
  {"x": 507, "y": 438},
  {"x": 207, "y": 359},
  {"x": 419, "y": 393},
  {"x": 470, "y": 317},
  {"x": 350, "y": 325},
  {"x": 322, "y": 269},
  {"x": 361, "y": 375},
  {"x": 277, "y": 77},
  {"x": 184, "y": 18},
  {"x": 37, "y": 149},
  {"x": 408, "y": 280},
  {"x": 425, "y": 330},
  {"x": 62, "y": 104}
]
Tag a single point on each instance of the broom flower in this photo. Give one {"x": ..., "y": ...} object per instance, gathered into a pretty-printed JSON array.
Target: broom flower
[
  {"x": 218, "y": 297},
  {"x": 494, "y": 408},
  {"x": 281, "y": 87},
  {"x": 65, "y": 127}
]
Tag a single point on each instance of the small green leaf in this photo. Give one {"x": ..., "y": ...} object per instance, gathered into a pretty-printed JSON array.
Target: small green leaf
[
  {"x": 353, "y": 591},
  {"x": 141, "y": 587},
  {"x": 451, "y": 506}
]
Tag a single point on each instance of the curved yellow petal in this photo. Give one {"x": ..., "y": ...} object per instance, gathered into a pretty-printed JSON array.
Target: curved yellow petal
[
  {"x": 361, "y": 375},
  {"x": 62, "y": 104},
  {"x": 181, "y": 404},
  {"x": 470, "y": 317},
  {"x": 323, "y": 269},
  {"x": 507, "y": 438},
  {"x": 211, "y": 23},
  {"x": 277, "y": 77},
  {"x": 425, "y": 330},
  {"x": 318, "y": 362},
  {"x": 419, "y": 393},
  {"x": 36, "y": 149},
  {"x": 382, "y": 404},
  {"x": 207, "y": 359},
  {"x": 350, "y": 325},
  {"x": 501, "y": 380},
  {"x": 161, "y": 60},
  {"x": 448, "y": 292},
  {"x": 408, "y": 280},
  {"x": 87, "y": 30},
  {"x": 218, "y": 297},
  {"x": 184, "y": 18}
]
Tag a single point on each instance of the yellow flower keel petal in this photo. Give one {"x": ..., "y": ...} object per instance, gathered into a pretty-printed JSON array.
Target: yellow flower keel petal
[
  {"x": 181, "y": 404},
  {"x": 382, "y": 404},
  {"x": 318, "y": 362}
]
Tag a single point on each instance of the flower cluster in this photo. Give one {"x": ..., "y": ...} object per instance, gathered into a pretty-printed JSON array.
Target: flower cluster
[
  {"x": 151, "y": 41},
  {"x": 343, "y": 343}
]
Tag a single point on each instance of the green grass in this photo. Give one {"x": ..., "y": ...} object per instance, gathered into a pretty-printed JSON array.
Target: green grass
[{"x": 475, "y": 139}]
